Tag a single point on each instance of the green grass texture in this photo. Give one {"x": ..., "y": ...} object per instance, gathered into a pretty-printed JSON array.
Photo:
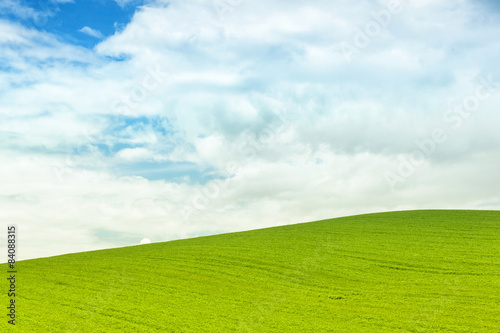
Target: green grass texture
[{"x": 410, "y": 271}]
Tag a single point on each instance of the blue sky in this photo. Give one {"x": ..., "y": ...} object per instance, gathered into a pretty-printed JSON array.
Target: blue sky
[
  {"x": 129, "y": 120},
  {"x": 66, "y": 18}
]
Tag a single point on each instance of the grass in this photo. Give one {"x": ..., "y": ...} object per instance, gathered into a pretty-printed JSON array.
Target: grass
[{"x": 413, "y": 271}]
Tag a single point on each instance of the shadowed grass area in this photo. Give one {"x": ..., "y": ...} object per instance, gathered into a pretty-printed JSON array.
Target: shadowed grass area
[{"x": 412, "y": 271}]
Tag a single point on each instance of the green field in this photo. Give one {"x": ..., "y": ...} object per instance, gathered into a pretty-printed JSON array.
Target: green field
[{"x": 413, "y": 271}]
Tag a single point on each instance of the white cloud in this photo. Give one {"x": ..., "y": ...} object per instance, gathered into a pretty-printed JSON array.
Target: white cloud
[
  {"x": 138, "y": 154},
  {"x": 123, "y": 3},
  {"x": 17, "y": 9},
  {"x": 39, "y": 16},
  {"x": 145, "y": 241},
  {"x": 92, "y": 32}
]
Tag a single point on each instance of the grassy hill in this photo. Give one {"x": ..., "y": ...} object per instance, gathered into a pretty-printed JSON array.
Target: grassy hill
[{"x": 414, "y": 271}]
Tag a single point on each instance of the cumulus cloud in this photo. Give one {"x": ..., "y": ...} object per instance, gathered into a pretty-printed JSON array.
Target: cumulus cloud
[
  {"x": 145, "y": 241},
  {"x": 245, "y": 118}
]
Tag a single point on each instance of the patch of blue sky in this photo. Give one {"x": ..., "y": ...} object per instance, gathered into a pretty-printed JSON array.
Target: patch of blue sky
[
  {"x": 7, "y": 68},
  {"x": 160, "y": 125},
  {"x": 178, "y": 172},
  {"x": 122, "y": 132},
  {"x": 493, "y": 4},
  {"x": 79, "y": 22}
]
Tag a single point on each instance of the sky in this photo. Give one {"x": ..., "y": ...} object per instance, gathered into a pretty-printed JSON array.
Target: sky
[{"x": 129, "y": 122}]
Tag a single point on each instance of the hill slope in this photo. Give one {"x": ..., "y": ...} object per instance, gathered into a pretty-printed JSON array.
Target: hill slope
[{"x": 412, "y": 271}]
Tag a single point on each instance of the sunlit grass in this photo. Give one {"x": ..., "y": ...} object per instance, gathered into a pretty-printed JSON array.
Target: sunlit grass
[{"x": 415, "y": 271}]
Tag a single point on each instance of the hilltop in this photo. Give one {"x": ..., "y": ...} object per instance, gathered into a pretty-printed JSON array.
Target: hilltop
[{"x": 412, "y": 271}]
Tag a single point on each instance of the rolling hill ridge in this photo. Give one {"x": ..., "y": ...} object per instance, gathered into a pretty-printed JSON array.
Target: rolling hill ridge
[{"x": 411, "y": 271}]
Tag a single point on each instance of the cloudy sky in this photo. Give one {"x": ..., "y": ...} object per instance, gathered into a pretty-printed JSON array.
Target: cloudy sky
[{"x": 125, "y": 121}]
